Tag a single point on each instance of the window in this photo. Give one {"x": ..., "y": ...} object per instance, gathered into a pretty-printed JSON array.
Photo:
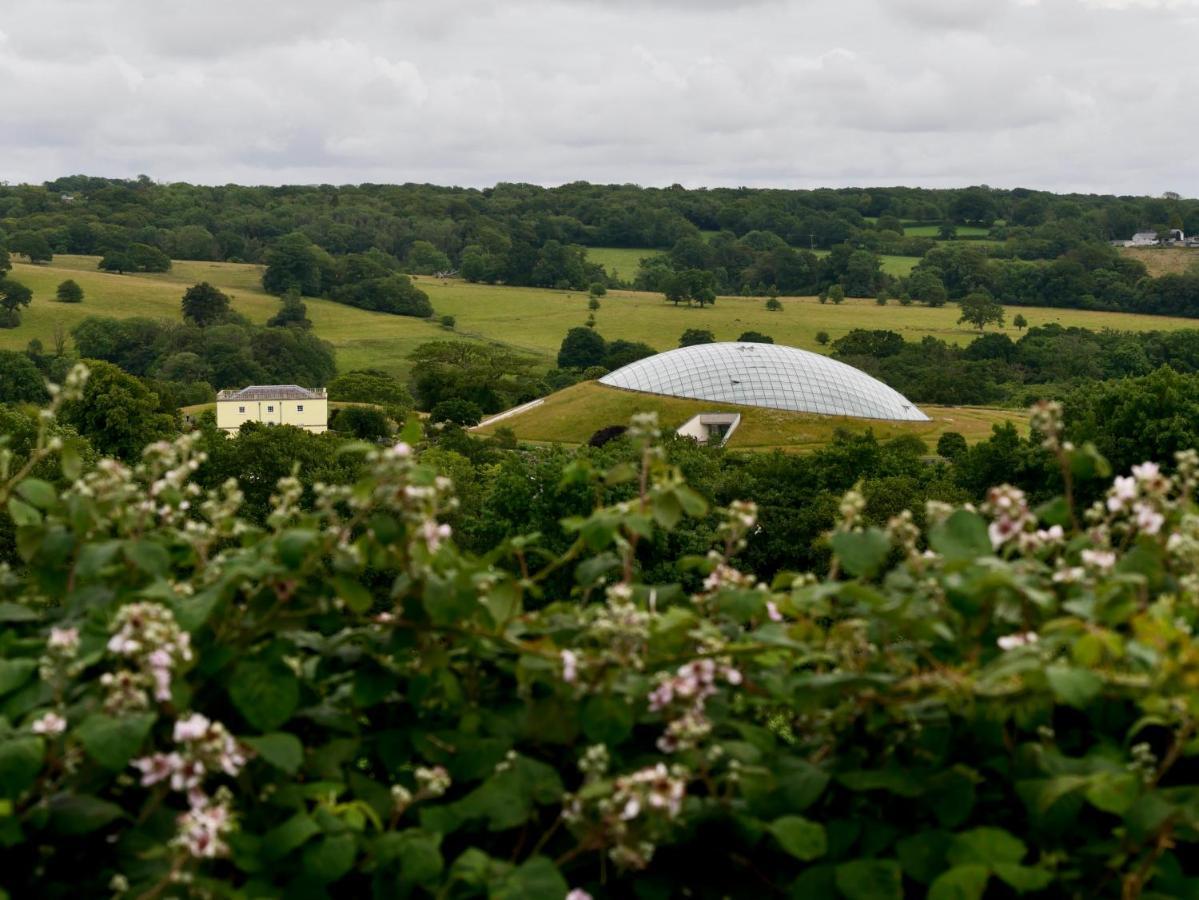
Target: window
[
  {"x": 299, "y": 407},
  {"x": 270, "y": 409},
  {"x": 241, "y": 409}
]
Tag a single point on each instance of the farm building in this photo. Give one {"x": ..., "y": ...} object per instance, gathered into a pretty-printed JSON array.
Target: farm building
[
  {"x": 273, "y": 404},
  {"x": 1151, "y": 238}
]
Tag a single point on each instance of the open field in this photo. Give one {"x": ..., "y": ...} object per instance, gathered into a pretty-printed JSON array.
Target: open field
[
  {"x": 1163, "y": 260},
  {"x": 928, "y": 230},
  {"x": 621, "y": 262},
  {"x": 528, "y": 319},
  {"x": 898, "y": 266},
  {"x": 571, "y": 416}
]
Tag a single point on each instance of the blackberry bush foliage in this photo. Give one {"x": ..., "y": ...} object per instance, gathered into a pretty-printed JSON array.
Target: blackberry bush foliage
[{"x": 341, "y": 703}]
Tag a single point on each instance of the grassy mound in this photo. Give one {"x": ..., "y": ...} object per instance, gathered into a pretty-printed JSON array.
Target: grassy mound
[{"x": 571, "y": 416}]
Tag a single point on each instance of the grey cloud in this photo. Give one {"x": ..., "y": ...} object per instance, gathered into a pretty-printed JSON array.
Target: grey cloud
[{"x": 1057, "y": 93}]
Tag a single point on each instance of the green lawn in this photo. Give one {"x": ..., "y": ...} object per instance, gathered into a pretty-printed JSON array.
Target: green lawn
[
  {"x": 529, "y": 319},
  {"x": 928, "y": 230},
  {"x": 571, "y": 416},
  {"x": 621, "y": 262}
]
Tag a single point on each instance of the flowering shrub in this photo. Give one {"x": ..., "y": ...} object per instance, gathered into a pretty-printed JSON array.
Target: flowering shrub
[{"x": 341, "y": 703}]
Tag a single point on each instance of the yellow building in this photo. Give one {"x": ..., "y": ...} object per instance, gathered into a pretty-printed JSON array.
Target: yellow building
[{"x": 273, "y": 404}]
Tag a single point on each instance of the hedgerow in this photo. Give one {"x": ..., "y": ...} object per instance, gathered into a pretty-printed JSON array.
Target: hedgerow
[{"x": 340, "y": 703}]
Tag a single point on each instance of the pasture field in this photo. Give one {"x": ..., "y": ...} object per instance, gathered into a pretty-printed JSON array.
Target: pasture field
[
  {"x": 532, "y": 320},
  {"x": 1163, "y": 260},
  {"x": 931, "y": 230},
  {"x": 572, "y": 415},
  {"x": 898, "y": 266},
  {"x": 621, "y": 262}
]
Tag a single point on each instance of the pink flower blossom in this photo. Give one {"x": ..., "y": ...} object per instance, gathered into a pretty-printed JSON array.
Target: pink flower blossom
[
  {"x": 65, "y": 639},
  {"x": 50, "y": 724},
  {"x": 772, "y": 611},
  {"x": 193, "y": 728},
  {"x": 570, "y": 666},
  {"x": 1149, "y": 520},
  {"x": 1103, "y": 560},
  {"x": 157, "y": 767},
  {"x": 1123, "y": 491},
  {"x": 1012, "y": 641}
]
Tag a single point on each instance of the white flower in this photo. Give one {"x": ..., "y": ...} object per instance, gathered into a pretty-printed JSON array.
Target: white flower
[
  {"x": 1003, "y": 530},
  {"x": 188, "y": 774},
  {"x": 64, "y": 639},
  {"x": 49, "y": 724},
  {"x": 570, "y": 666},
  {"x": 1123, "y": 491},
  {"x": 578, "y": 894},
  {"x": 772, "y": 611},
  {"x": 192, "y": 728},
  {"x": 1103, "y": 560},
  {"x": 158, "y": 767},
  {"x": 434, "y": 534},
  {"x": 1146, "y": 471},
  {"x": 1149, "y": 520},
  {"x": 631, "y": 809},
  {"x": 1012, "y": 641}
]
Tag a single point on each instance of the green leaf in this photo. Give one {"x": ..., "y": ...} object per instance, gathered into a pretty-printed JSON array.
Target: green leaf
[
  {"x": 15, "y": 672},
  {"x": 800, "y": 783},
  {"x": 960, "y": 883},
  {"x": 151, "y": 558},
  {"x": 1114, "y": 792},
  {"x": 1074, "y": 687},
  {"x": 961, "y": 538},
  {"x": 282, "y": 750},
  {"x": 38, "y": 492},
  {"x": 870, "y": 879},
  {"x": 356, "y": 597},
  {"x": 1023, "y": 878},
  {"x": 293, "y": 546},
  {"x": 607, "y": 719},
  {"x": 113, "y": 741},
  {"x": 419, "y": 855},
  {"x": 282, "y": 839},
  {"x": 20, "y": 761},
  {"x": 22, "y": 513},
  {"x": 861, "y": 552},
  {"x": 16, "y": 612},
  {"x": 800, "y": 837},
  {"x": 266, "y": 694},
  {"x": 923, "y": 855},
  {"x": 535, "y": 879},
  {"x": 81, "y": 813},
  {"x": 985, "y": 846},
  {"x": 71, "y": 458},
  {"x": 331, "y": 857}
]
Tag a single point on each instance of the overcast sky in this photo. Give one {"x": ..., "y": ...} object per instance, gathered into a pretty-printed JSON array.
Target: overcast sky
[{"x": 1094, "y": 95}]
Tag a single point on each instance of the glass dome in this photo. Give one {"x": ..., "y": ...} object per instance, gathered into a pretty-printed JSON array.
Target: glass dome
[{"x": 766, "y": 375}]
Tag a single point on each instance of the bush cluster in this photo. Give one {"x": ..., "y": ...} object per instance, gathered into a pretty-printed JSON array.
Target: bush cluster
[{"x": 340, "y": 702}]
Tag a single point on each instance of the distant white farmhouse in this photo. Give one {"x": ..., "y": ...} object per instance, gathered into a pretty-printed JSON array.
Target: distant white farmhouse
[{"x": 273, "y": 404}]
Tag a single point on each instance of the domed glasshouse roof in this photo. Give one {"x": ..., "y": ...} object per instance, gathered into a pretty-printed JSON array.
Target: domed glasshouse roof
[{"x": 766, "y": 375}]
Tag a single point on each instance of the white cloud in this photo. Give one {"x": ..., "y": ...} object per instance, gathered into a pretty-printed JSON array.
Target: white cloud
[{"x": 1071, "y": 94}]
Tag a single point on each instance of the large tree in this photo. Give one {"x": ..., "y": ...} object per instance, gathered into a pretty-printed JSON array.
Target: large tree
[
  {"x": 980, "y": 309},
  {"x": 20, "y": 380},
  {"x": 581, "y": 349},
  {"x": 205, "y": 305},
  {"x": 13, "y": 296},
  {"x": 118, "y": 413},
  {"x": 292, "y": 313}
]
